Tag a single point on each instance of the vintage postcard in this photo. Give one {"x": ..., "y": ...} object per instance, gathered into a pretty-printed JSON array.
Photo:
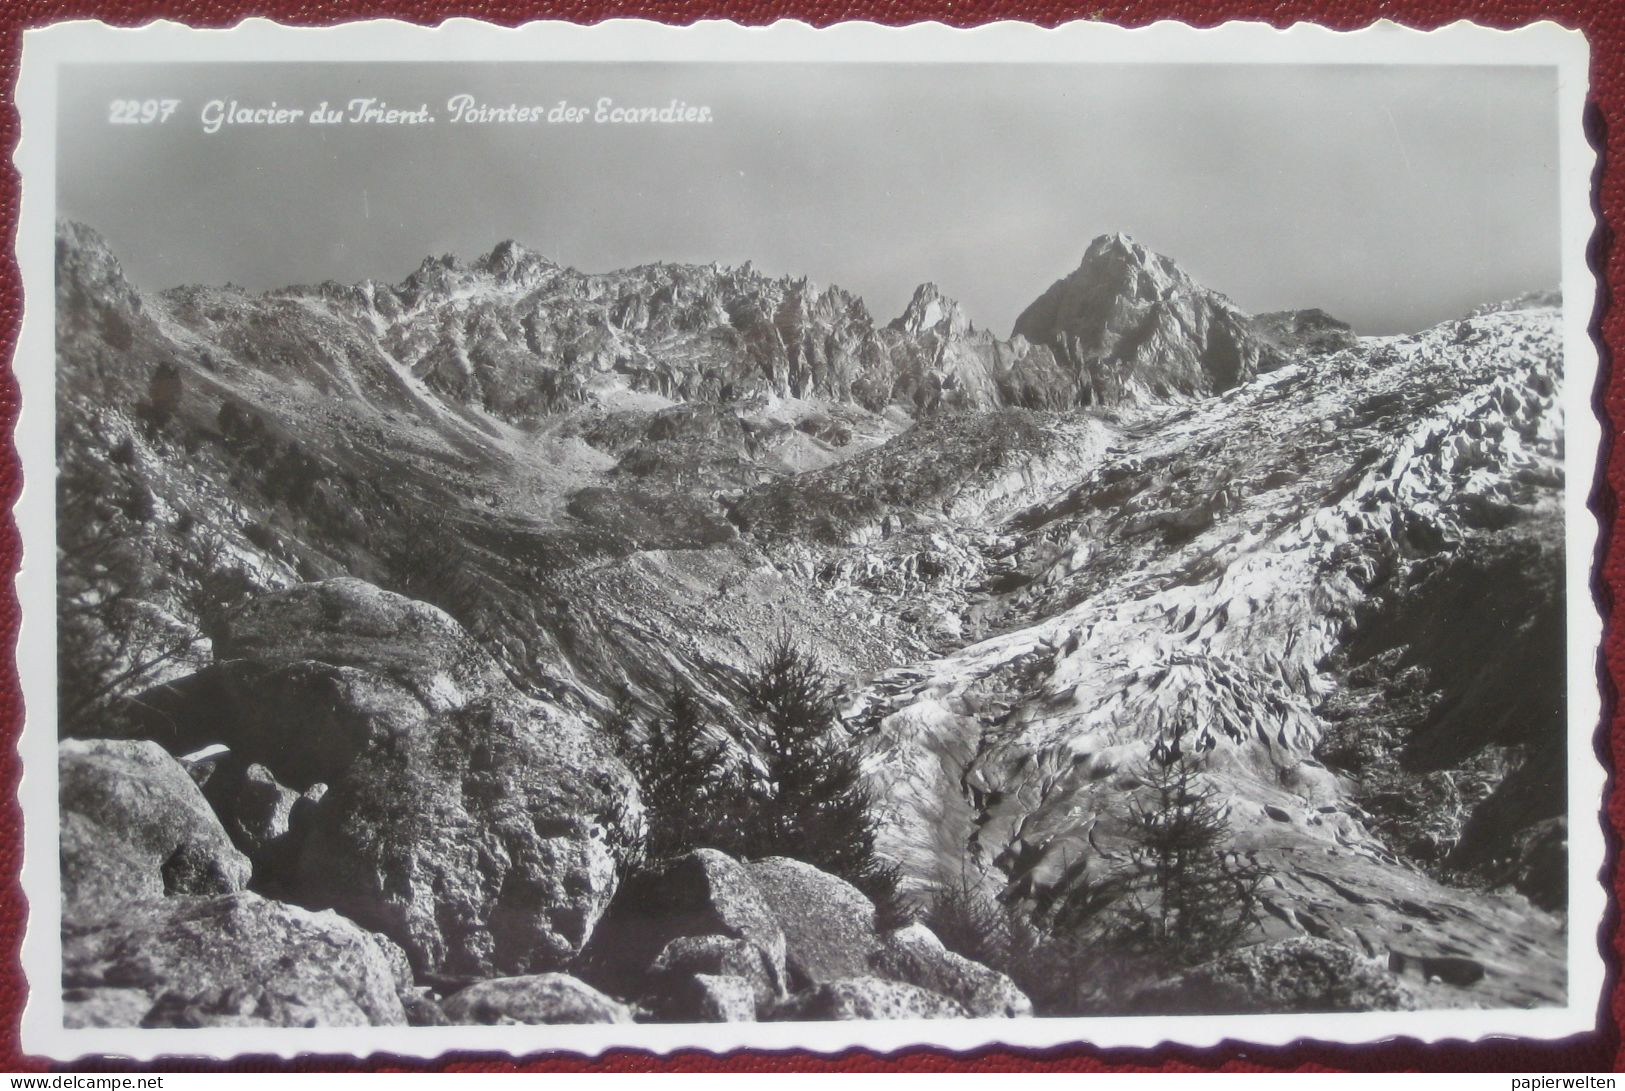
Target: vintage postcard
[{"x": 572, "y": 537}]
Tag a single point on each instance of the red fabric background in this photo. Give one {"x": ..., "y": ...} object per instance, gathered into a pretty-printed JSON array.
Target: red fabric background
[{"x": 1604, "y": 26}]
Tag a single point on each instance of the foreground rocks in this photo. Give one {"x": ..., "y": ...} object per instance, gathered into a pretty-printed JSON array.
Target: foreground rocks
[
  {"x": 829, "y": 925},
  {"x": 870, "y": 998},
  {"x": 704, "y": 938},
  {"x": 256, "y": 811},
  {"x": 704, "y": 894},
  {"x": 1293, "y": 975},
  {"x": 235, "y": 960},
  {"x": 134, "y": 827},
  {"x": 913, "y": 954},
  {"x": 538, "y": 999}
]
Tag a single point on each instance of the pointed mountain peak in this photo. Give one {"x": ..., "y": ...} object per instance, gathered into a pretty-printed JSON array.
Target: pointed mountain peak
[
  {"x": 1118, "y": 240},
  {"x": 931, "y": 310},
  {"x": 445, "y": 261},
  {"x": 511, "y": 260},
  {"x": 1138, "y": 328},
  {"x": 1119, "y": 256}
]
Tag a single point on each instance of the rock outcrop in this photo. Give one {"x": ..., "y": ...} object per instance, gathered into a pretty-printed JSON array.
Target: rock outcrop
[
  {"x": 1295, "y": 975},
  {"x": 511, "y": 820},
  {"x": 234, "y": 960},
  {"x": 1307, "y": 332},
  {"x": 726, "y": 963},
  {"x": 704, "y": 938},
  {"x": 256, "y": 811},
  {"x": 350, "y": 623},
  {"x": 700, "y": 898},
  {"x": 869, "y": 998},
  {"x": 511, "y": 815},
  {"x": 915, "y": 956},
  {"x": 134, "y": 827},
  {"x": 532, "y": 1001},
  {"x": 829, "y": 925}
]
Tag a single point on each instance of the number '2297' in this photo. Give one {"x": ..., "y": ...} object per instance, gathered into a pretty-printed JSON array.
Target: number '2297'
[{"x": 145, "y": 111}]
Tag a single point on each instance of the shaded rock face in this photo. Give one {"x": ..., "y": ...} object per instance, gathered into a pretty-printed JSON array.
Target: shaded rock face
[
  {"x": 1135, "y": 328},
  {"x": 307, "y": 720},
  {"x": 1295, "y": 975},
  {"x": 702, "y": 894},
  {"x": 230, "y": 960},
  {"x": 480, "y": 829},
  {"x": 134, "y": 827},
  {"x": 869, "y": 998},
  {"x": 713, "y": 998},
  {"x": 533, "y": 1001},
  {"x": 1311, "y": 331},
  {"x": 687, "y": 957},
  {"x": 255, "y": 810},
  {"x": 490, "y": 844}
]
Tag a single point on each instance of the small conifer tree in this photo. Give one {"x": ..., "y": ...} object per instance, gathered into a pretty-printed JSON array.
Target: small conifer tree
[
  {"x": 1190, "y": 898},
  {"x": 680, "y": 769},
  {"x": 164, "y": 391},
  {"x": 812, "y": 803}
]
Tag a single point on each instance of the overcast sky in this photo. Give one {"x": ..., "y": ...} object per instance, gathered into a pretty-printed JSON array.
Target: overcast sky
[{"x": 1392, "y": 197}]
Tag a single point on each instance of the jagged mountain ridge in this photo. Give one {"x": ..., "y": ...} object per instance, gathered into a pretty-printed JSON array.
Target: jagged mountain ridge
[
  {"x": 636, "y": 535},
  {"x": 520, "y": 336}
]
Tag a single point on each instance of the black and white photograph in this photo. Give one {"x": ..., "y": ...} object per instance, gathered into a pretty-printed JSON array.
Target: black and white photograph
[{"x": 925, "y": 547}]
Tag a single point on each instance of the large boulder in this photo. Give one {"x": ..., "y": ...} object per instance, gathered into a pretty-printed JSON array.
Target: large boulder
[
  {"x": 308, "y": 678},
  {"x": 489, "y": 845},
  {"x": 915, "y": 956},
  {"x": 829, "y": 925},
  {"x": 254, "y": 809},
  {"x": 480, "y": 829},
  {"x": 703, "y": 893},
  {"x": 135, "y": 827},
  {"x": 868, "y": 998},
  {"x": 725, "y": 963},
  {"x": 350, "y": 623},
  {"x": 1301, "y": 974},
  {"x": 304, "y": 720},
  {"x": 710, "y": 998},
  {"x": 533, "y": 1000},
  {"x": 230, "y": 960}
]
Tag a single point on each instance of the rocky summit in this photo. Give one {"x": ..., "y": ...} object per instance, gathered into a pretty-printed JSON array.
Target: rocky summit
[{"x": 357, "y": 585}]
